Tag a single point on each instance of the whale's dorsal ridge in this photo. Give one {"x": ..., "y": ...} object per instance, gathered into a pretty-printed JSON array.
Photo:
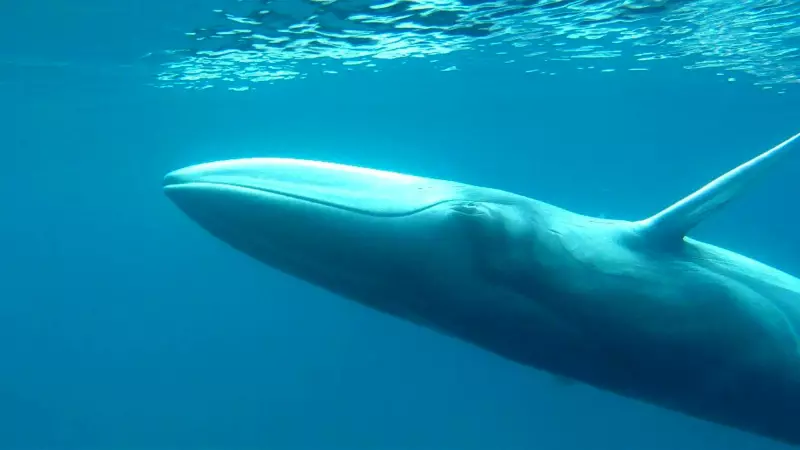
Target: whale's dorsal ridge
[{"x": 678, "y": 219}]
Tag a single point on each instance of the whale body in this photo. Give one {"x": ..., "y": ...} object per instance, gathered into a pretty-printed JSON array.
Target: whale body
[{"x": 632, "y": 307}]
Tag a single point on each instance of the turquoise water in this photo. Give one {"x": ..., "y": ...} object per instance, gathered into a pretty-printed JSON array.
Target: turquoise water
[{"x": 126, "y": 326}]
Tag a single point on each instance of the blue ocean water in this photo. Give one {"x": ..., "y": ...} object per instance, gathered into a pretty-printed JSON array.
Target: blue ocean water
[{"x": 126, "y": 326}]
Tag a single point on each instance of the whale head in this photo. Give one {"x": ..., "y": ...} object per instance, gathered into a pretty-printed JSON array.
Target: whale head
[{"x": 361, "y": 233}]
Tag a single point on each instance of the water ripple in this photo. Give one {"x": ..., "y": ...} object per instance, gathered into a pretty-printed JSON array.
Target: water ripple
[{"x": 255, "y": 41}]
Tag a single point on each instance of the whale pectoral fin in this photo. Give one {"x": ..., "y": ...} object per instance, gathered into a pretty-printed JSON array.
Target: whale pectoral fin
[{"x": 678, "y": 219}]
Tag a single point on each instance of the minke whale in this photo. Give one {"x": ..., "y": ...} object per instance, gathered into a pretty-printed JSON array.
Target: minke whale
[{"x": 636, "y": 308}]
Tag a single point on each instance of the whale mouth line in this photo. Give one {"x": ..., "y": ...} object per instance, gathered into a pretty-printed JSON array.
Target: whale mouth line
[{"x": 169, "y": 185}]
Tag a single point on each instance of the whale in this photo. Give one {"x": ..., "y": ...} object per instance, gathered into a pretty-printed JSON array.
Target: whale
[{"x": 632, "y": 307}]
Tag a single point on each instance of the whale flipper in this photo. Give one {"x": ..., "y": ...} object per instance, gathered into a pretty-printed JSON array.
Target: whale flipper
[{"x": 675, "y": 221}]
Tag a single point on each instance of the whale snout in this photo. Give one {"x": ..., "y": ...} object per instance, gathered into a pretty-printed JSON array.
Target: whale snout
[{"x": 359, "y": 190}]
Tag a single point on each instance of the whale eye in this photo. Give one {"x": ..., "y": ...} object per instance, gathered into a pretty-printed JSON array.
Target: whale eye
[
  {"x": 481, "y": 234},
  {"x": 476, "y": 219},
  {"x": 471, "y": 209}
]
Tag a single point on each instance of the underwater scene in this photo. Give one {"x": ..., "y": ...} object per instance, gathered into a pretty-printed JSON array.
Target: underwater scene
[{"x": 400, "y": 224}]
